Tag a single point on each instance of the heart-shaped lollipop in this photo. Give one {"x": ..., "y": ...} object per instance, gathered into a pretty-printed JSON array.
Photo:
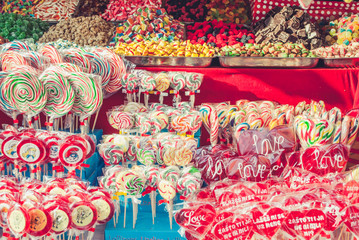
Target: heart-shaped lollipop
[
  {"x": 233, "y": 228},
  {"x": 196, "y": 220},
  {"x": 267, "y": 222}
]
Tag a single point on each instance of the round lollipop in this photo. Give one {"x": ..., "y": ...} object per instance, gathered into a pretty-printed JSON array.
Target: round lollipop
[
  {"x": 105, "y": 208},
  {"x": 77, "y": 57},
  {"x": 60, "y": 94},
  {"x": 40, "y": 222},
  {"x": 120, "y": 120},
  {"x": 51, "y": 53},
  {"x": 18, "y": 220},
  {"x": 134, "y": 186},
  {"x": 32, "y": 151},
  {"x": 60, "y": 215},
  {"x": 99, "y": 66},
  {"x": 111, "y": 154},
  {"x": 152, "y": 174},
  {"x": 167, "y": 190},
  {"x": 72, "y": 154},
  {"x": 12, "y": 59},
  {"x": 25, "y": 92},
  {"x": 83, "y": 215},
  {"x": 193, "y": 83},
  {"x": 88, "y": 94}
]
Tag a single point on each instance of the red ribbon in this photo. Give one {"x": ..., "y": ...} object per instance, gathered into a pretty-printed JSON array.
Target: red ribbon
[
  {"x": 85, "y": 165},
  {"x": 182, "y": 198},
  {"x": 323, "y": 234},
  {"x": 58, "y": 168},
  {"x": 48, "y": 124},
  {"x": 23, "y": 169},
  {"x": 5, "y": 234},
  {"x": 12, "y": 238},
  {"x": 92, "y": 229},
  {"x": 82, "y": 123},
  {"x": 222, "y": 140},
  {"x": 148, "y": 190},
  {"x": 77, "y": 238},
  {"x": 36, "y": 118},
  {"x": 37, "y": 169},
  {"x": 146, "y": 92},
  {"x": 163, "y": 201},
  {"x": 191, "y": 93},
  {"x": 16, "y": 121}
]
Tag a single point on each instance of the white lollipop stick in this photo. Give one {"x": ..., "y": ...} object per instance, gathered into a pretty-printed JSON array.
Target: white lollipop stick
[
  {"x": 170, "y": 212},
  {"x": 153, "y": 205},
  {"x": 124, "y": 219},
  {"x": 134, "y": 216}
]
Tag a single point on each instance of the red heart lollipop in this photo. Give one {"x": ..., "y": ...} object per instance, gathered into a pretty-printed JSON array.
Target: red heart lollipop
[
  {"x": 233, "y": 198},
  {"x": 335, "y": 158},
  {"x": 351, "y": 189},
  {"x": 352, "y": 219},
  {"x": 332, "y": 210},
  {"x": 196, "y": 220},
  {"x": 306, "y": 224},
  {"x": 234, "y": 228},
  {"x": 311, "y": 160},
  {"x": 268, "y": 222}
]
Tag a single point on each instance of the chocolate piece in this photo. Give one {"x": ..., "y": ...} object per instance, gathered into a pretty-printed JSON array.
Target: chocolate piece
[
  {"x": 259, "y": 39},
  {"x": 277, "y": 30},
  {"x": 315, "y": 43},
  {"x": 283, "y": 37},
  {"x": 314, "y": 34},
  {"x": 292, "y": 39},
  {"x": 301, "y": 33},
  {"x": 279, "y": 18},
  {"x": 294, "y": 23},
  {"x": 268, "y": 21}
]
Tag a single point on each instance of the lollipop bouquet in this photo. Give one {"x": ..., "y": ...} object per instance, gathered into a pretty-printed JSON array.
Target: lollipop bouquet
[
  {"x": 36, "y": 209},
  {"x": 140, "y": 180},
  {"x": 58, "y": 83}
]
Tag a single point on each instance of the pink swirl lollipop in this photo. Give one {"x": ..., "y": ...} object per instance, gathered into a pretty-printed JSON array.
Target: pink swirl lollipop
[
  {"x": 51, "y": 53},
  {"x": 178, "y": 80},
  {"x": 193, "y": 81},
  {"x": 111, "y": 154},
  {"x": 143, "y": 123},
  {"x": 12, "y": 59},
  {"x": 77, "y": 57},
  {"x": 118, "y": 69},
  {"x": 120, "y": 120}
]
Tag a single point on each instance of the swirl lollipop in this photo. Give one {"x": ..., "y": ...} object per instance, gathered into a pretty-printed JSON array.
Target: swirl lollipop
[
  {"x": 25, "y": 92},
  {"x": 99, "y": 66},
  {"x": 135, "y": 186},
  {"x": 193, "y": 83},
  {"x": 51, "y": 53},
  {"x": 151, "y": 174},
  {"x": 147, "y": 83},
  {"x": 187, "y": 186},
  {"x": 146, "y": 156},
  {"x": 77, "y": 57},
  {"x": 167, "y": 191},
  {"x": 11, "y": 59},
  {"x": 88, "y": 95},
  {"x": 162, "y": 83},
  {"x": 177, "y": 83},
  {"x": 60, "y": 94},
  {"x": 120, "y": 120},
  {"x": 111, "y": 154}
]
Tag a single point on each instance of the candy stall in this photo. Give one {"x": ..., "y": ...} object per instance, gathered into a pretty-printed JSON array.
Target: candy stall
[{"x": 190, "y": 119}]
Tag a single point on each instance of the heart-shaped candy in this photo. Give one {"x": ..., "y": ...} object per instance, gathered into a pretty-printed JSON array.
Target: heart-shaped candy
[
  {"x": 306, "y": 224},
  {"x": 196, "y": 220},
  {"x": 234, "y": 228},
  {"x": 268, "y": 222},
  {"x": 352, "y": 219}
]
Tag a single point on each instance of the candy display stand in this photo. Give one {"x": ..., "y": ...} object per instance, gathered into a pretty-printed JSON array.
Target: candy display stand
[{"x": 144, "y": 227}]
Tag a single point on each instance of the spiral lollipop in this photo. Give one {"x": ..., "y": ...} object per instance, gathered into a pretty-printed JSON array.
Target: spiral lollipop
[
  {"x": 120, "y": 120},
  {"x": 88, "y": 94},
  {"x": 25, "y": 92},
  {"x": 17, "y": 46},
  {"x": 143, "y": 123},
  {"x": 12, "y": 59},
  {"x": 162, "y": 117},
  {"x": 60, "y": 94},
  {"x": 162, "y": 81},
  {"x": 193, "y": 83},
  {"x": 34, "y": 59},
  {"x": 146, "y": 156},
  {"x": 187, "y": 186},
  {"x": 51, "y": 52},
  {"x": 111, "y": 154},
  {"x": 170, "y": 173},
  {"x": 69, "y": 67},
  {"x": 210, "y": 120},
  {"x": 177, "y": 81},
  {"x": 133, "y": 187},
  {"x": 167, "y": 190},
  {"x": 77, "y": 57},
  {"x": 99, "y": 66}
]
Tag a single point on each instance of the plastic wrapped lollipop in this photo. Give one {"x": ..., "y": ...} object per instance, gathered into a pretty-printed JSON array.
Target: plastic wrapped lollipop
[
  {"x": 120, "y": 120},
  {"x": 25, "y": 92},
  {"x": 177, "y": 83},
  {"x": 77, "y": 57},
  {"x": 193, "y": 83},
  {"x": 167, "y": 190},
  {"x": 51, "y": 53},
  {"x": 147, "y": 84},
  {"x": 187, "y": 186},
  {"x": 162, "y": 83},
  {"x": 111, "y": 154},
  {"x": 60, "y": 94},
  {"x": 143, "y": 123},
  {"x": 11, "y": 59},
  {"x": 152, "y": 176},
  {"x": 88, "y": 98},
  {"x": 134, "y": 186},
  {"x": 99, "y": 66},
  {"x": 5, "y": 104},
  {"x": 161, "y": 116},
  {"x": 130, "y": 82},
  {"x": 18, "y": 220}
]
